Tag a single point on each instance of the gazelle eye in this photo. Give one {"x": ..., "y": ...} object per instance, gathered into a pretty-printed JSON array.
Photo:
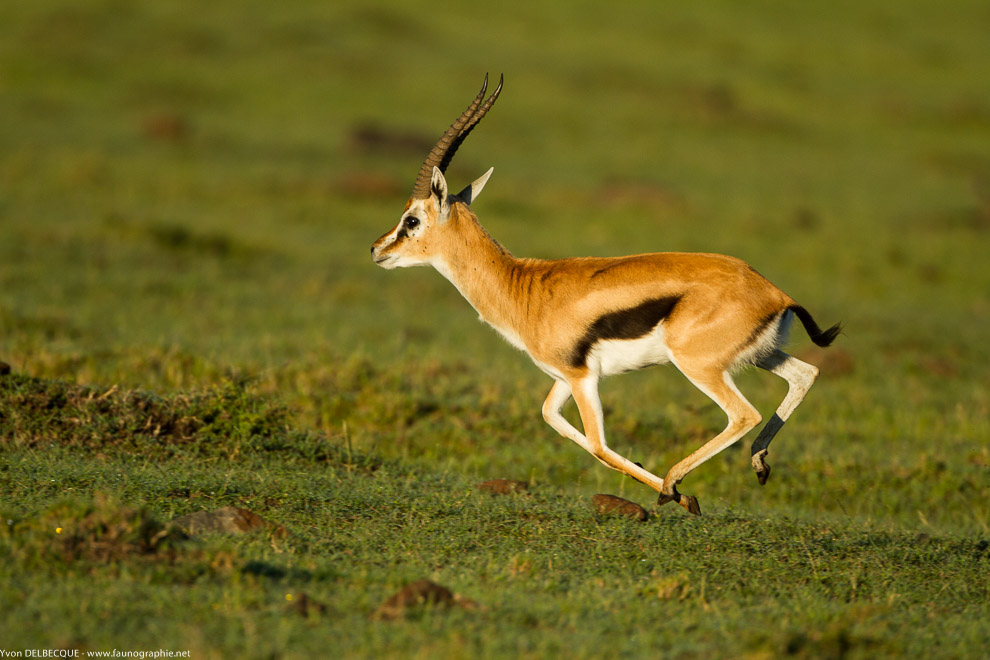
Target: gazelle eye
[{"x": 412, "y": 222}]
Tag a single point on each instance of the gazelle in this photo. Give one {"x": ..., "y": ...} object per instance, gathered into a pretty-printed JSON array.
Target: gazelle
[{"x": 580, "y": 319}]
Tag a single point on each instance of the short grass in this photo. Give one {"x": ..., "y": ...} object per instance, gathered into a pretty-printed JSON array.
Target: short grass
[
  {"x": 187, "y": 196},
  {"x": 90, "y": 562}
]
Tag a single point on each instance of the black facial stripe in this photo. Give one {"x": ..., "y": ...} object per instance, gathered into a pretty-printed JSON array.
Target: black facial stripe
[{"x": 623, "y": 324}]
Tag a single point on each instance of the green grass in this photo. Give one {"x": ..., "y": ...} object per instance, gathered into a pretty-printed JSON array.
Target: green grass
[
  {"x": 192, "y": 320},
  {"x": 87, "y": 570}
]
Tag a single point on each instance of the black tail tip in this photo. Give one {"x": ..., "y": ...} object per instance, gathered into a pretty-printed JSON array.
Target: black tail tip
[{"x": 826, "y": 337}]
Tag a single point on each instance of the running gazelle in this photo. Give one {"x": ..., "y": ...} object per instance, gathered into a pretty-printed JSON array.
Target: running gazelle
[{"x": 580, "y": 319}]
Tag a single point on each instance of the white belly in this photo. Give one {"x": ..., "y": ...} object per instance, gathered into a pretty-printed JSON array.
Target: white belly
[{"x": 616, "y": 356}]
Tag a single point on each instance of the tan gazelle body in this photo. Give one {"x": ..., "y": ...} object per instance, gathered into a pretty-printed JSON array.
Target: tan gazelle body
[{"x": 580, "y": 319}]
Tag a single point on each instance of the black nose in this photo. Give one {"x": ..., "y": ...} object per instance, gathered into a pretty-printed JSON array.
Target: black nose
[{"x": 372, "y": 249}]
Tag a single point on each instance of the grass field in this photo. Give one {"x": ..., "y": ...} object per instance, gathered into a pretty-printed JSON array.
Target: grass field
[{"x": 187, "y": 197}]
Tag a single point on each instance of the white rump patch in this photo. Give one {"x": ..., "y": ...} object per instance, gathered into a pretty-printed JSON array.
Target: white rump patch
[{"x": 772, "y": 338}]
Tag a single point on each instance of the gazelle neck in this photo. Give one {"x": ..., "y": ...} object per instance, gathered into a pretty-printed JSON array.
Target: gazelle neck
[{"x": 481, "y": 270}]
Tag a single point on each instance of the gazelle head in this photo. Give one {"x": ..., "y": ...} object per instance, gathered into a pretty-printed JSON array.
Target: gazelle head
[{"x": 414, "y": 241}]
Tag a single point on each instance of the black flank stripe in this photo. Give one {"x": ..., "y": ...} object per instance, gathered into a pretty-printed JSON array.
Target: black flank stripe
[{"x": 623, "y": 324}]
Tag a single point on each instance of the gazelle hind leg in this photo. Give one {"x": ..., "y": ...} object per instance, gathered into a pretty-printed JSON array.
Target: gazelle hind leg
[
  {"x": 743, "y": 418},
  {"x": 800, "y": 376},
  {"x": 585, "y": 393}
]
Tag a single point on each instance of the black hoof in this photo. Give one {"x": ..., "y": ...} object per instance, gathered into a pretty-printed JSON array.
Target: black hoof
[
  {"x": 761, "y": 466},
  {"x": 690, "y": 503}
]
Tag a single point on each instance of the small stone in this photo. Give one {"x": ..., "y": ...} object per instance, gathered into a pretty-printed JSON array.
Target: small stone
[
  {"x": 616, "y": 506},
  {"x": 415, "y": 594},
  {"x": 503, "y": 486},
  {"x": 227, "y": 520}
]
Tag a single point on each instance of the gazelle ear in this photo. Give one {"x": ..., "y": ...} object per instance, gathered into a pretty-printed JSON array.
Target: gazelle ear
[
  {"x": 471, "y": 193},
  {"x": 438, "y": 190}
]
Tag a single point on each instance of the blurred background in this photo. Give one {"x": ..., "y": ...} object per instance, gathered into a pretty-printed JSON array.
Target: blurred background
[{"x": 189, "y": 190}]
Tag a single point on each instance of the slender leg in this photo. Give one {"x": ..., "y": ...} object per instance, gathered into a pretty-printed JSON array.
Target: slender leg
[
  {"x": 743, "y": 418},
  {"x": 559, "y": 394},
  {"x": 585, "y": 392},
  {"x": 800, "y": 376}
]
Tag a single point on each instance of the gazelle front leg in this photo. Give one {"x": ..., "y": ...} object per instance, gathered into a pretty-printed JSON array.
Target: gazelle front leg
[{"x": 585, "y": 393}]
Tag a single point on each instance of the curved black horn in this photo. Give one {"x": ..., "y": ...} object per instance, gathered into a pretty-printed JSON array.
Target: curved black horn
[
  {"x": 445, "y": 148},
  {"x": 475, "y": 119}
]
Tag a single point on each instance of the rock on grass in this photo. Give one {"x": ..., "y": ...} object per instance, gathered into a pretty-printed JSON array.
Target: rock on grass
[
  {"x": 419, "y": 594},
  {"x": 617, "y": 506}
]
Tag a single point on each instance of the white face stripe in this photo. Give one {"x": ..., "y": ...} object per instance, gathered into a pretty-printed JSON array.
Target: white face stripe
[{"x": 396, "y": 248}]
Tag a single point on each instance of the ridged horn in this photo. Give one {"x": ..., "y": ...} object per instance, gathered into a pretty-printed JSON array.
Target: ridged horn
[{"x": 445, "y": 148}]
